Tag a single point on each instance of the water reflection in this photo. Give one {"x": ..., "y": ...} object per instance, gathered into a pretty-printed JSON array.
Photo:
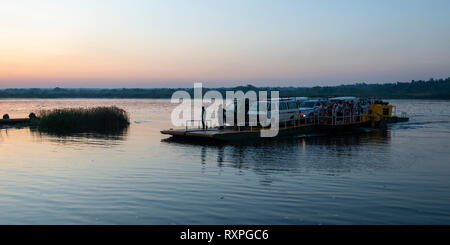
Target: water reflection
[
  {"x": 87, "y": 139},
  {"x": 330, "y": 155}
]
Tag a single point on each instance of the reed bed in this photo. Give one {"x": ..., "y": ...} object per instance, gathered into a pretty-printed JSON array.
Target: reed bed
[{"x": 78, "y": 120}]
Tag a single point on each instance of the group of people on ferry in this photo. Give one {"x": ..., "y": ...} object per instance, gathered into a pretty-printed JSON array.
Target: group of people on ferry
[{"x": 341, "y": 111}]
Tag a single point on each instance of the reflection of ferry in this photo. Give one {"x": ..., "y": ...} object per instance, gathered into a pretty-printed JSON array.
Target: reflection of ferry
[{"x": 374, "y": 114}]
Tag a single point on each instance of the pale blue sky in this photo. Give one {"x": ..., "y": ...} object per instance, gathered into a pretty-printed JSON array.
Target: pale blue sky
[{"x": 220, "y": 43}]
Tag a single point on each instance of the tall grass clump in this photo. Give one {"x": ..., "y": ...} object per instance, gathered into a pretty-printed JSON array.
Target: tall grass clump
[{"x": 80, "y": 120}]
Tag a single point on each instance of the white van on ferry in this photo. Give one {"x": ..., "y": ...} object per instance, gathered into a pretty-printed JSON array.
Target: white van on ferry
[{"x": 288, "y": 108}]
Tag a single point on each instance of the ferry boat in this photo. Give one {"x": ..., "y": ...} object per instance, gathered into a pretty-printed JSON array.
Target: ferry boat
[{"x": 374, "y": 114}]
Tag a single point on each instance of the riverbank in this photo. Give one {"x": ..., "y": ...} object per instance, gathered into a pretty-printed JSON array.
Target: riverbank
[{"x": 431, "y": 89}]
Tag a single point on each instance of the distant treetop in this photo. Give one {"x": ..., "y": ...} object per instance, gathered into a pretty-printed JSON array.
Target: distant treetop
[{"x": 416, "y": 89}]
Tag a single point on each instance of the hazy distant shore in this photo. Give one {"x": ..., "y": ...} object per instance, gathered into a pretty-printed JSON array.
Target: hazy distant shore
[{"x": 431, "y": 89}]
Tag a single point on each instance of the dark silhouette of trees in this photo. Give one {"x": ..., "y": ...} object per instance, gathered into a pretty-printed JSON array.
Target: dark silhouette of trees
[{"x": 431, "y": 89}]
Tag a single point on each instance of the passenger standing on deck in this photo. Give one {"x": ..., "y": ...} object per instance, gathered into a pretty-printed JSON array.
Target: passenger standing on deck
[
  {"x": 330, "y": 108},
  {"x": 338, "y": 111},
  {"x": 321, "y": 112},
  {"x": 360, "y": 111},
  {"x": 235, "y": 104},
  {"x": 355, "y": 111},
  {"x": 221, "y": 116},
  {"x": 346, "y": 111},
  {"x": 334, "y": 112},
  {"x": 203, "y": 117}
]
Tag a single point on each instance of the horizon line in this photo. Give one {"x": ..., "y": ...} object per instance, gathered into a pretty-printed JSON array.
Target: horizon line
[{"x": 243, "y": 85}]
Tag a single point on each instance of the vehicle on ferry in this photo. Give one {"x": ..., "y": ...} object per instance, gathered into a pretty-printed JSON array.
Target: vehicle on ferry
[
  {"x": 287, "y": 108},
  {"x": 309, "y": 107},
  {"x": 299, "y": 100}
]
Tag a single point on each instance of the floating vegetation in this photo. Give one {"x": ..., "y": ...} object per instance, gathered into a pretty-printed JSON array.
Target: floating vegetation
[{"x": 103, "y": 120}]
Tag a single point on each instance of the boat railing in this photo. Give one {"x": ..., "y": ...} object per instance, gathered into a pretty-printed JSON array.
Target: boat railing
[{"x": 349, "y": 117}]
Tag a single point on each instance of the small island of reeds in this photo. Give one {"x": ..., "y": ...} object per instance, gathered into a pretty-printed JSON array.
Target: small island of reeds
[{"x": 81, "y": 120}]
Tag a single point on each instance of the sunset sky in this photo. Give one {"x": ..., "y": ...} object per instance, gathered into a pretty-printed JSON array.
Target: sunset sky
[{"x": 71, "y": 43}]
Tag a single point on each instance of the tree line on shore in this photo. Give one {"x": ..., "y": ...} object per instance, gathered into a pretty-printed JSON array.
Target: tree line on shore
[{"x": 431, "y": 89}]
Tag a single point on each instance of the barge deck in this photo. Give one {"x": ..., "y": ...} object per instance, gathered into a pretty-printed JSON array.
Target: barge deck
[{"x": 250, "y": 133}]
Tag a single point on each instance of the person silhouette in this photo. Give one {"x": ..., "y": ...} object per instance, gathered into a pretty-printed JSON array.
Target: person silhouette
[
  {"x": 203, "y": 117},
  {"x": 220, "y": 116}
]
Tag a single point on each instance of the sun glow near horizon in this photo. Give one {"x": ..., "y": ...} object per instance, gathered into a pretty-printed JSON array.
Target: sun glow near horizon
[{"x": 157, "y": 43}]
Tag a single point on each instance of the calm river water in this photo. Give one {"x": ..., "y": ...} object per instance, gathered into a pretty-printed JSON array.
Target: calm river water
[{"x": 397, "y": 176}]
